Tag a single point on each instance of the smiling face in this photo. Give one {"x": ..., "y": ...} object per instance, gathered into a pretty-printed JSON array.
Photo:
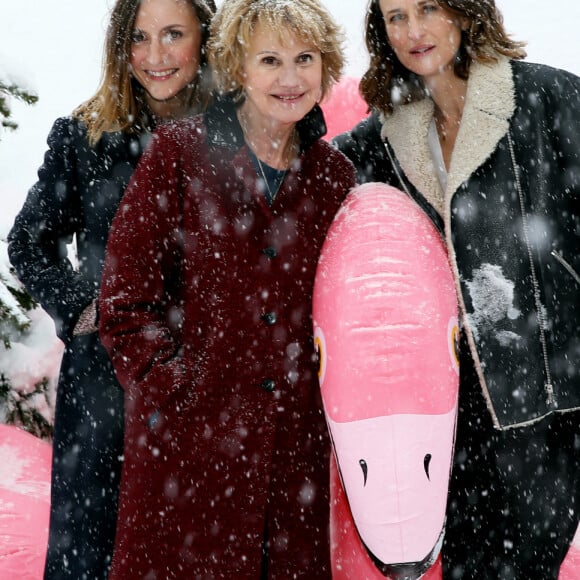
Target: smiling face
[
  {"x": 282, "y": 81},
  {"x": 165, "y": 52},
  {"x": 424, "y": 35}
]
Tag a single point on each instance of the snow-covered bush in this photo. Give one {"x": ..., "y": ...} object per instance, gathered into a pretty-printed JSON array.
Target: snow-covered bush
[
  {"x": 29, "y": 357},
  {"x": 10, "y": 89}
]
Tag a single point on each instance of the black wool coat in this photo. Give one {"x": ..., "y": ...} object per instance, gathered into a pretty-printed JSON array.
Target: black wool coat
[
  {"x": 78, "y": 191},
  {"x": 510, "y": 217}
]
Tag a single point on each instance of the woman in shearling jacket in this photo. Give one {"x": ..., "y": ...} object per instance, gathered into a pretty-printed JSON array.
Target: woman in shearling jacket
[
  {"x": 489, "y": 147},
  {"x": 206, "y": 306},
  {"x": 91, "y": 156}
]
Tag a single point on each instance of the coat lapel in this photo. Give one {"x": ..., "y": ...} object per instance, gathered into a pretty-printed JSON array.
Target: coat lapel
[
  {"x": 406, "y": 130},
  {"x": 489, "y": 104}
]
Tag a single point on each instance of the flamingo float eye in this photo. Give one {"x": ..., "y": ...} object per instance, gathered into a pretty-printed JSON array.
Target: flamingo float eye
[
  {"x": 320, "y": 347},
  {"x": 365, "y": 469},
  {"x": 453, "y": 344},
  {"x": 426, "y": 463}
]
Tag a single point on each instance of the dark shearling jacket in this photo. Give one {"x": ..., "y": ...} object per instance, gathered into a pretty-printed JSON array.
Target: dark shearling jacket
[
  {"x": 510, "y": 217},
  {"x": 206, "y": 313}
]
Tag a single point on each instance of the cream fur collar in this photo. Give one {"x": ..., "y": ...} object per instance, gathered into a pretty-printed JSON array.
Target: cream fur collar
[{"x": 489, "y": 104}]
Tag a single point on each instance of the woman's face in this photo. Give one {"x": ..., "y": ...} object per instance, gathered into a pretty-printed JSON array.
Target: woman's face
[
  {"x": 424, "y": 35},
  {"x": 165, "y": 49},
  {"x": 282, "y": 82}
]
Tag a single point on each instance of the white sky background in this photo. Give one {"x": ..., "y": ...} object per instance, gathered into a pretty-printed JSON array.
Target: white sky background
[{"x": 54, "y": 47}]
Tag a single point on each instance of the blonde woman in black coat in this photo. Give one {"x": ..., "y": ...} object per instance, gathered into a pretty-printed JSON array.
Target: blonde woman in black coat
[
  {"x": 154, "y": 70},
  {"x": 489, "y": 147}
]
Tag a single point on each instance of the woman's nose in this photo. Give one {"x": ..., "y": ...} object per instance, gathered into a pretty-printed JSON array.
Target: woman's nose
[
  {"x": 415, "y": 28},
  {"x": 156, "y": 52},
  {"x": 289, "y": 76}
]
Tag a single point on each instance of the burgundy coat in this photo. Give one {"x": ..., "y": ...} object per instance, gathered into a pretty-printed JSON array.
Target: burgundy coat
[{"x": 206, "y": 312}]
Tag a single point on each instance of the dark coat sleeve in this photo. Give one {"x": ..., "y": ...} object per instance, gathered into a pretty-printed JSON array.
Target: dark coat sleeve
[
  {"x": 364, "y": 147},
  {"x": 139, "y": 322},
  {"x": 37, "y": 242}
]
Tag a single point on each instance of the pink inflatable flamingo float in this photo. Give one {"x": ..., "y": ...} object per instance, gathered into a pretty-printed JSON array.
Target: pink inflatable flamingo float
[
  {"x": 344, "y": 107},
  {"x": 25, "y": 463},
  {"x": 385, "y": 317},
  {"x": 570, "y": 569}
]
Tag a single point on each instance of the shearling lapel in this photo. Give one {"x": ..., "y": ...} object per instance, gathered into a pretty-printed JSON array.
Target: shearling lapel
[
  {"x": 489, "y": 104},
  {"x": 406, "y": 130}
]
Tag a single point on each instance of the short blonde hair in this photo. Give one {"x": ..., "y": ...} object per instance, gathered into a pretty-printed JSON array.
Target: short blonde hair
[{"x": 234, "y": 24}]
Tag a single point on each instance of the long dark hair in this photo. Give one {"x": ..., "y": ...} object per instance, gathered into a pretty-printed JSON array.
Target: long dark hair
[{"x": 485, "y": 40}]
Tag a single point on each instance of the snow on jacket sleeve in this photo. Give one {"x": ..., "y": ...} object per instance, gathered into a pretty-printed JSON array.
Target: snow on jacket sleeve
[
  {"x": 37, "y": 242},
  {"x": 139, "y": 322}
]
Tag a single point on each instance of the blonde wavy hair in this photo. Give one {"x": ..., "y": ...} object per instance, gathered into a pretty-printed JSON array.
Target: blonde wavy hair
[
  {"x": 118, "y": 104},
  {"x": 234, "y": 24}
]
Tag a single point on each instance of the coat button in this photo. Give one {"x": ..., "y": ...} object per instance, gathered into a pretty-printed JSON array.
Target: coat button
[
  {"x": 270, "y": 318},
  {"x": 268, "y": 385},
  {"x": 271, "y": 252}
]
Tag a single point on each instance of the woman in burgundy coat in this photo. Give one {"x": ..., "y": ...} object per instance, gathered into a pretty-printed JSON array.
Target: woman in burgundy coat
[{"x": 205, "y": 310}]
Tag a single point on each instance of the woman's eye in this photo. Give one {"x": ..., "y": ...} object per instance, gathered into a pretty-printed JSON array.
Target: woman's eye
[
  {"x": 305, "y": 58},
  {"x": 174, "y": 34},
  {"x": 269, "y": 60},
  {"x": 395, "y": 18},
  {"x": 137, "y": 37}
]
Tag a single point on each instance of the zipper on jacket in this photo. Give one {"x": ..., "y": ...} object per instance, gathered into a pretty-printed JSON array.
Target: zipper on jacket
[
  {"x": 567, "y": 266},
  {"x": 397, "y": 171},
  {"x": 548, "y": 385}
]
